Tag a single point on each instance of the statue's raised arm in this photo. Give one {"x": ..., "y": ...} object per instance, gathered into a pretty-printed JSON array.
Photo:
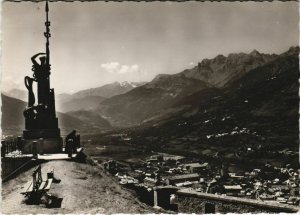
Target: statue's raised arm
[{"x": 33, "y": 59}]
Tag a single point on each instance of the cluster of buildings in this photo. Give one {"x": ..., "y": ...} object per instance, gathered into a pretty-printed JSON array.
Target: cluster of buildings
[
  {"x": 257, "y": 151},
  {"x": 268, "y": 183}
]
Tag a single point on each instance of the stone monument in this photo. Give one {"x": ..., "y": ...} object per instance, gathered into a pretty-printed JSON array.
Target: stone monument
[{"x": 40, "y": 118}]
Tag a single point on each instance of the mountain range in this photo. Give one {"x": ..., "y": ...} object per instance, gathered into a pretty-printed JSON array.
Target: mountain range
[
  {"x": 108, "y": 90},
  {"x": 74, "y": 110},
  {"x": 241, "y": 98},
  {"x": 17, "y": 94},
  {"x": 260, "y": 109},
  {"x": 142, "y": 102},
  {"x": 89, "y": 99},
  {"x": 82, "y": 100},
  {"x": 13, "y": 121},
  {"x": 158, "y": 97},
  {"x": 222, "y": 70}
]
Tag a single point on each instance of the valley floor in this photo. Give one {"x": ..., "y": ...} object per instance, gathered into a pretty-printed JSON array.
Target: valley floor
[{"x": 83, "y": 187}]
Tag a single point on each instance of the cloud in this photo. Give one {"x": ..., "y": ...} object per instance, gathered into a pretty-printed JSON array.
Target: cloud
[
  {"x": 117, "y": 68},
  {"x": 112, "y": 67}
]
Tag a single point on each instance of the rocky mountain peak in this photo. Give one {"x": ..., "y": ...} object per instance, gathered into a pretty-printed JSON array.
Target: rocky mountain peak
[
  {"x": 255, "y": 53},
  {"x": 293, "y": 50},
  {"x": 222, "y": 70},
  {"x": 124, "y": 84},
  {"x": 205, "y": 62},
  {"x": 219, "y": 58},
  {"x": 159, "y": 77}
]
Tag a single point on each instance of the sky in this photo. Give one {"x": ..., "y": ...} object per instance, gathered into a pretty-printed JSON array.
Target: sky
[{"x": 96, "y": 43}]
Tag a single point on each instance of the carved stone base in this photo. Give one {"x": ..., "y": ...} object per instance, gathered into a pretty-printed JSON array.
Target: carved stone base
[
  {"x": 45, "y": 146},
  {"x": 41, "y": 133}
]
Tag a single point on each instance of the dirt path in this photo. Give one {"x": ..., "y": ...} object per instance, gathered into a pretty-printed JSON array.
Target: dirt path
[{"x": 84, "y": 189}]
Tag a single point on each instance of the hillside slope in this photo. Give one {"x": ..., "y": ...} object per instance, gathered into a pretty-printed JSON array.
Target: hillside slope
[
  {"x": 17, "y": 93},
  {"x": 13, "y": 121},
  {"x": 91, "y": 118},
  {"x": 261, "y": 108},
  {"x": 82, "y": 103},
  {"x": 144, "y": 101},
  {"x": 109, "y": 90},
  {"x": 89, "y": 99},
  {"x": 84, "y": 189}
]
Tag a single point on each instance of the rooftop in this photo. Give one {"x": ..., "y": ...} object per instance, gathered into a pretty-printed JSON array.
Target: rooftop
[
  {"x": 185, "y": 176},
  {"x": 232, "y": 187},
  {"x": 195, "y": 165}
]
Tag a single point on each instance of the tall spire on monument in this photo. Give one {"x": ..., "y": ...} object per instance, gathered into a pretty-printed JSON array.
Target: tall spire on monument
[{"x": 47, "y": 34}]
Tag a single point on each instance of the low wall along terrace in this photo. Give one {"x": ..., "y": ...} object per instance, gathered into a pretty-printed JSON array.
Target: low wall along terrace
[
  {"x": 195, "y": 202},
  {"x": 10, "y": 165}
]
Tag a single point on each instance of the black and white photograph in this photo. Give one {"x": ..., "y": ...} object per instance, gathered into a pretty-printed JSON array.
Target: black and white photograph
[{"x": 149, "y": 107}]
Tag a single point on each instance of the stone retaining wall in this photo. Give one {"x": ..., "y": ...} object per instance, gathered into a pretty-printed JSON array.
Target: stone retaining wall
[{"x": 195, "y": 202}]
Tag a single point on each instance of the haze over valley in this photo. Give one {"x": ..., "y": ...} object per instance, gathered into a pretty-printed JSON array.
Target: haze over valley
[{"x": 223, "y": 102}]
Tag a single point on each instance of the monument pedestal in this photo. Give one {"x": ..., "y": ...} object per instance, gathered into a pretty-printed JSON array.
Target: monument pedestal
[
  {"x": 41, "y": 133},
  {"x": 43, "y": 146},
  {"x": 47, "y": 141}
]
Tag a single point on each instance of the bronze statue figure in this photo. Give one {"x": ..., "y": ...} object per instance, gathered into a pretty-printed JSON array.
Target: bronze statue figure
[
  {"x": 34, "y": 111},
  {"x": 40, "y": 71},
  {"x": 28, "y": 84}
]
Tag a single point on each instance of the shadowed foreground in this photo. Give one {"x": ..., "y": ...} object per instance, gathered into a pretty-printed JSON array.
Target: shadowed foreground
[{"x": 84, "y": 189}]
